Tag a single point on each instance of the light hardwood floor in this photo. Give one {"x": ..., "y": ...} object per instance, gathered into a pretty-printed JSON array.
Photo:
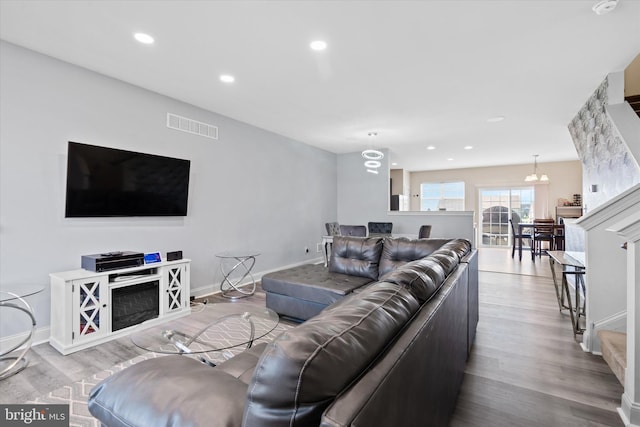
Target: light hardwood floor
[{"x": 525, "y": 368}]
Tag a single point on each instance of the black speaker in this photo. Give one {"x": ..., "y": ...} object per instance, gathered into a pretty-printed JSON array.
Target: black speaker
[{"x": 174, "y": 256}]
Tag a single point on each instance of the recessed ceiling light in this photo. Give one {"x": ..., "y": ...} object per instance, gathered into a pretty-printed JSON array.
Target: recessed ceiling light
[
  {"x": 394, "y": 164},
  {"x": 450, "y": 159},
  {"x": 468, "y": 147},
  {"x": 227, "y": 78},
  {"x": 143, "y": 38},
  {"x": 495, "y": 119},
  {"x": 318, "y": 45},
  {"x": 431, "y": 147}
]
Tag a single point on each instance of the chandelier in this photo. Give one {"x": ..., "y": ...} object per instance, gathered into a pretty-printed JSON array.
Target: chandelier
[{"x": 534, "y": 176}]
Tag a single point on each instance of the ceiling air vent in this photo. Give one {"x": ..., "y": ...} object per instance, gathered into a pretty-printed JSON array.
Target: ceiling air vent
[{"x": 191, "y": 126}]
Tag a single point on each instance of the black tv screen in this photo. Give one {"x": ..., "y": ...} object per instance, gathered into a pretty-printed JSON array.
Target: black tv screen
[{"x": 107, "y": 182}]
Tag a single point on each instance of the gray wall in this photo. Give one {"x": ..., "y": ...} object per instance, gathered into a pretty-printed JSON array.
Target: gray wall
[
  {"x": 364, "y": 197},
  {"x": 249, "y": 189}
]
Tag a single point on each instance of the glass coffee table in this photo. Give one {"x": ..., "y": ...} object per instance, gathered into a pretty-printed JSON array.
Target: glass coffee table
[{"x": 217, "y": 327}]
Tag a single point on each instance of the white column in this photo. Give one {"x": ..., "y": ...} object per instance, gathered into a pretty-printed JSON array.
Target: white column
[{"x": 629, "y": 228}]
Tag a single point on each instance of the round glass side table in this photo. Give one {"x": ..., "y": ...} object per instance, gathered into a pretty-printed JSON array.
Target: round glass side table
[
  {"x": 232, "y": 287},
  {"x": 13, "y": 360}
]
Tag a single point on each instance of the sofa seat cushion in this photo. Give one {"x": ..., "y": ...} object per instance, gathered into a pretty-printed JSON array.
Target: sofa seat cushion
[
  {"x": 312, "y": 282},
  {"x": 356, "y": 256},
  {"x": 241, "y": 365},
  {"x": 399, "y": 251},
  {"x": 139, "y": 395},
  {"x": 313, "y": 362}
]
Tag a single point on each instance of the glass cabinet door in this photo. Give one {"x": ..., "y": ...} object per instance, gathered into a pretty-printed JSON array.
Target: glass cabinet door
[
  {"x": 175, "y": 297},
  {"x": 89, "y": 302}
]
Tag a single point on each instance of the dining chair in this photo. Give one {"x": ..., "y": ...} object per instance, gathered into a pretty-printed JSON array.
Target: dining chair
[
  {"x": 558, "y": 232},
  {"x": 425, "y": 232},
  {"x": 516, "y": 238},
  {"x": 542, "y": 232},
  {"x": 380, "y": 228},
  {"x": 353, "y": 230},
  {"x": 333, "y": 228}
]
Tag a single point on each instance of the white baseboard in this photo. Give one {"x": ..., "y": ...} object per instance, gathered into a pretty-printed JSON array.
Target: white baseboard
[
  {"x": 616, "y": 322},
  {"x": 629, "y": 412},
  {"x": 214, "y": 288},
  {"x": 40, "y": 336},
  {"x": 584, "y": 348}
]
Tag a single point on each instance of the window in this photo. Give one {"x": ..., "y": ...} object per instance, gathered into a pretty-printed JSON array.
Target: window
[
  {"x": 436, "y": 196},
  {"x": 498, "y": 206}
]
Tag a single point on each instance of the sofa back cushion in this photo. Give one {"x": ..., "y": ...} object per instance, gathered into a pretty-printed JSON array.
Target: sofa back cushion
[
  {"x": 447, "y": 259},
  {"x": 399, "y": 251},
  {"x": 356, "y": 256},
  {"x": 415, "y": 279},
  {"x": 303, "y": 369},
  {"x": 460, "y": 247}
]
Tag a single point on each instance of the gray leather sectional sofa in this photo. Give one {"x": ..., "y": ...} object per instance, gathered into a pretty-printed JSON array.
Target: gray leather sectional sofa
[
  {"x": 302, "y": 292},
  {"x": 390, "y": 352}
]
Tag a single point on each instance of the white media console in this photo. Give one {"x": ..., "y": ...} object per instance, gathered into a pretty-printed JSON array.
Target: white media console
[{"x": 89, "y": 308}]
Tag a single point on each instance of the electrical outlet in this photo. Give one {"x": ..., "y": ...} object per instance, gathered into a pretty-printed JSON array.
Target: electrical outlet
[{"x": 318, "y": 247}]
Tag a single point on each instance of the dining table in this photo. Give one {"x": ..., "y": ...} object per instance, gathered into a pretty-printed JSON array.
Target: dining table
[{"x": 523, "y": 227}]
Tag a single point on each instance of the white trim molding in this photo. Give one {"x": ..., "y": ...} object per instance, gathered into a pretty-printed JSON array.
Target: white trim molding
[
  {"x": 40, "y": 336},
  {"x": 629, "y": 412},
  {"x": 606, "y": 263},
  {"x": 616, "y": 322},
  {"x": 628, "y": 227},
  {"x": 619, "y": 204}
]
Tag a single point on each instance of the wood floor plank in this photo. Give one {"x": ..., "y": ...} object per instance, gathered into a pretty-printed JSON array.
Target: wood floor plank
[
  {"x": 526, "y": 368},
  {"x": 488, "y": 402}
]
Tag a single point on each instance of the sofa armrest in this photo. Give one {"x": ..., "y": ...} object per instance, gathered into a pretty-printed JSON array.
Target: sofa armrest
[
  {"x": 416, "y": 381},
  {"x": 471, "y": 259},
  {"x": 169, "y": 390}
]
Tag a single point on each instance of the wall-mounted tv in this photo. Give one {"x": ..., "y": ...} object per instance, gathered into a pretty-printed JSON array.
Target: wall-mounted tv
[{"x": 107, "y": 182}]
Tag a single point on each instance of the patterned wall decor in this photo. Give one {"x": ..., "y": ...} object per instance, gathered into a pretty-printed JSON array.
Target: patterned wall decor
[{"x": 606, "y": 161}]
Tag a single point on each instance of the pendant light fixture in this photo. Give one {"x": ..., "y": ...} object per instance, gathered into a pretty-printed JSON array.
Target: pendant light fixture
[
  {"x": 372, "y": 157},
  {"x": 534, "y": 176}
]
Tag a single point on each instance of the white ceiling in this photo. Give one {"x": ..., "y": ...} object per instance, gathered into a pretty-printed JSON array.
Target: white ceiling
[{"x": 418, "y": 73}]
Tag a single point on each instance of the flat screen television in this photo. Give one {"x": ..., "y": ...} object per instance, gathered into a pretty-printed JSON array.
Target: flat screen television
[{"x": 107, "y": 182}]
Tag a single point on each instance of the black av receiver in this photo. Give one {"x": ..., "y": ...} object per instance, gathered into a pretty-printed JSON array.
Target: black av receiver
[{"x": 112, "y": 261}]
